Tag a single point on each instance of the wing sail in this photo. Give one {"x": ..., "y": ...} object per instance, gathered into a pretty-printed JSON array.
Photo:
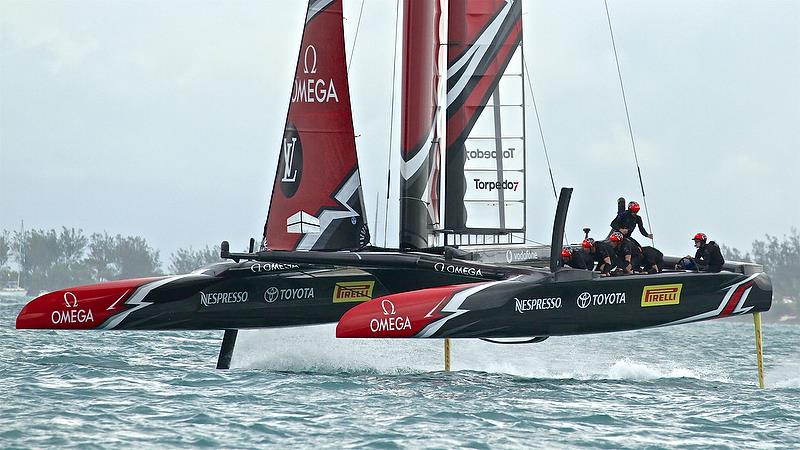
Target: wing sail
[
  {"x": 316, "y": 202},
  {"x": 485, "y": 155}
]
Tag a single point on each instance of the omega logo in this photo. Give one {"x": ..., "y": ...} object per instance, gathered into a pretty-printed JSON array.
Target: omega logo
[{"x": 311, "y": 53}]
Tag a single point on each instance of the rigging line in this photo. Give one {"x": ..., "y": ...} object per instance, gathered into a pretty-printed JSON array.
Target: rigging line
[
  {"x": 541, "y": 134},
  {"x": 355, "y": 38},
  {"x": 391, "y": 128},
  {"x": 628, "y": 117},
  {"x": 539, "y": 122},
  {"x": 377, "y": 211},
  {"x": 535, "y": 242}
]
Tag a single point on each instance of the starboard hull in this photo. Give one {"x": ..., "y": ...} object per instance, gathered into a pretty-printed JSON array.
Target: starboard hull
[{"x": 521, "y": 308}]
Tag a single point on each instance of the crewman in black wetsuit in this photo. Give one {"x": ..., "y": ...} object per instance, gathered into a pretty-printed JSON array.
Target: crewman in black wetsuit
[
  {"x": 652, "y": 260},
  {"x": 576, "y": 259},
  {"x": 708, "y": 257},
  {"x": 628, "y": 251},
  {"x": 627, "y": 220},
  {"x": 603, "y": 254}
]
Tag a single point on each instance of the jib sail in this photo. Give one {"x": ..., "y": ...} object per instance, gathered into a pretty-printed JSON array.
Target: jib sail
[
  {"x": 316, "y": 201},
  {"x": 485, "y": 152}
]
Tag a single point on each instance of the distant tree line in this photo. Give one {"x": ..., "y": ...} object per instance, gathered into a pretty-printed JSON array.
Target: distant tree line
[
  {"x": 50, "y": 259},
  {"x": 781, "y": 260}
]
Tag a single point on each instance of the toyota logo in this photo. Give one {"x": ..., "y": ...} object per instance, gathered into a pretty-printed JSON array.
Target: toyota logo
[
  {"x": 584, "y": 300},
  {"x": 271, "y": 294}
]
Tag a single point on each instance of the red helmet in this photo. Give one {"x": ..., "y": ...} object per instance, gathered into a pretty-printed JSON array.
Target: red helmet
[
  {"x": 566, "y": 252},
  {"x": 616, "y": 237},
  {"x": 634, "y": 207},
  {"x": 587, "y": 243},
  {"x": 700, "y": 237}
]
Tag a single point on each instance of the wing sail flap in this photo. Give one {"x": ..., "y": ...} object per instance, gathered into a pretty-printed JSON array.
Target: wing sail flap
[{"x": 485, "y": 156}]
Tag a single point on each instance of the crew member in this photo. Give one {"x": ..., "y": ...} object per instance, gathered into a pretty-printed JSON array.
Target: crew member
[
  {"x": 627, "y": 220},
  {"x": 627, "y": 251},
  {"x": 576, "y": 259},
  {"x": 652, "y": 260},
  {"x": 708, "y": 257},
  {"x": 602, "y": 253}
]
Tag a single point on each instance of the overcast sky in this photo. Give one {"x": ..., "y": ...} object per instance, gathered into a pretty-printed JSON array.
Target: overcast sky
[{"x": 164, "y": 118}]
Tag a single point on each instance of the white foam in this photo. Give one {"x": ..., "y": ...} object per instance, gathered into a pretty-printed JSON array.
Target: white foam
[
  {"x": 629, "y": 370},
  {"x": 315, "y": 349},
  {"x": 784, "y": 375}
]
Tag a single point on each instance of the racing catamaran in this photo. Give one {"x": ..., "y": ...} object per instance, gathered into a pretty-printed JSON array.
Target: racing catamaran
[{"x": 462, "y": 269}]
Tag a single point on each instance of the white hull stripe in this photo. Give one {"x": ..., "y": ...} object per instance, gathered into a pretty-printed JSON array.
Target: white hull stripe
[
  {"x": 137, "y": 301},
  {"x": 739, "y": 309},
  {"x": 716, "y": 312},
  {"x": 453, "y": 306}
]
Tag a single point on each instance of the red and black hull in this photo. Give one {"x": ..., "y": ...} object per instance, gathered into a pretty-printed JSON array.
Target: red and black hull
[
  {"x": 241, "y": 295},
  {"x": 523, "y": 307},
  {"x": 434, "y": 297}
]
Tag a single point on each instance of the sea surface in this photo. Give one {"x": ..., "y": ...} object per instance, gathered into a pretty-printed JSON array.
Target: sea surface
[{"x": 689, "y": 386}]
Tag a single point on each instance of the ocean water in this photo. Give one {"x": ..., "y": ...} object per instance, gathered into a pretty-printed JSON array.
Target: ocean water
[{"x": 690, "y": 386}]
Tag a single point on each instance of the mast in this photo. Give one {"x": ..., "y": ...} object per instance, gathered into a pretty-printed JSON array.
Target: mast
[{"x": 420, "y": 168}]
